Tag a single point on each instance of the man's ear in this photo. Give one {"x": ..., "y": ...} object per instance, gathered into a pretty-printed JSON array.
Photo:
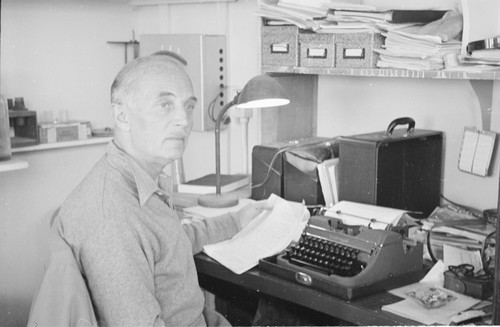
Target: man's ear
[{"x": 121, "y": 117}]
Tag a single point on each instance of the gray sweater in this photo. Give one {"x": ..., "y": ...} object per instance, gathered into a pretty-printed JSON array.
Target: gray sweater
[{"x": 130, "y": 245}]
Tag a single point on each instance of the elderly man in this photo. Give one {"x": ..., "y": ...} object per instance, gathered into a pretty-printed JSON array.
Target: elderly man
[{"x": 129, "y": 243}]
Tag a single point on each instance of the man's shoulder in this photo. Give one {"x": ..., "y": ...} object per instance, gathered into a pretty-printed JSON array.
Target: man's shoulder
[{"x": 100, "y": 194}]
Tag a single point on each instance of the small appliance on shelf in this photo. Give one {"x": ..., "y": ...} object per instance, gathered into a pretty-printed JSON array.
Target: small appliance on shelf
[{"x": 22, "y": 123}]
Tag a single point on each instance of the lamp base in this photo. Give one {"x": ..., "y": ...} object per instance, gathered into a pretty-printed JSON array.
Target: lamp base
[{"x": 218, "y": 200}]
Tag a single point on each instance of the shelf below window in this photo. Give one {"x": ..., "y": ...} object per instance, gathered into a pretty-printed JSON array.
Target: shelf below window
[
  {"x": 379, "y": 72},
  {"x": 58, "y": 145},
  {"x": 13, "y": 164}
]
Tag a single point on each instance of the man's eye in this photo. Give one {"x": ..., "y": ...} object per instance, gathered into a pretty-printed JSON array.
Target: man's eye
[
  {"x": 166, "y": 105},
  {"x": 190, "y": 107}
]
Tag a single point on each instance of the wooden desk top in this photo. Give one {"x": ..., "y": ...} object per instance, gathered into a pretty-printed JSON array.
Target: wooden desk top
[{"x": 363, "y": 311}]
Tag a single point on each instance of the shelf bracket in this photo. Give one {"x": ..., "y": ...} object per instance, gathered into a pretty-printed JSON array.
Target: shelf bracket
[{"x": 134, "y": 43}]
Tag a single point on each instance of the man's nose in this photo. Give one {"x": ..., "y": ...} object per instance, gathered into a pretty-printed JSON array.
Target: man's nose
[{"x": 182, "y": 117}]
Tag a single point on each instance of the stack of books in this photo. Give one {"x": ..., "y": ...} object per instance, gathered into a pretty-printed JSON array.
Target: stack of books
[{"x": 458, "y": 229}]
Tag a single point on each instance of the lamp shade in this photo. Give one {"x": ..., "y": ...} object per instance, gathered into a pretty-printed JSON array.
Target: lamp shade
[{"x": 262, "y": 91}]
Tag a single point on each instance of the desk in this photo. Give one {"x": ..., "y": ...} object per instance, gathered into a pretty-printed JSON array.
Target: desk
[{"x": 218, "y": 280}]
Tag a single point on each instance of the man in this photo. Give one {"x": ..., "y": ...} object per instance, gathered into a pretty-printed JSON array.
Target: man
[{"x": 130, "y": 245}]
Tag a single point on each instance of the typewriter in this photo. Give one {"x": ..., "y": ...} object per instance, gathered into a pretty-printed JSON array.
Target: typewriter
[{"x": 349, "y": 261}]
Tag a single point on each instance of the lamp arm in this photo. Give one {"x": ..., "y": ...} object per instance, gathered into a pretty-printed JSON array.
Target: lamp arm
[{"x": 217, "y": 143}]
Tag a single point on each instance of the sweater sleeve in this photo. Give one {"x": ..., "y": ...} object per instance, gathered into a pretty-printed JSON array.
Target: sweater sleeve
[
  {"x": 211, "y": 230},
  {"x": 120, "y": 279}
]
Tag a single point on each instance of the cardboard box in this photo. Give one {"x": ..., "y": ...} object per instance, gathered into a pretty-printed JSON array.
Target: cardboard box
[
  {"x": 317, "y": 49},
  {"x": 64, "y": 132},
  {"x": 279, "y": 45},
  {"x": 355, "y": 49}
]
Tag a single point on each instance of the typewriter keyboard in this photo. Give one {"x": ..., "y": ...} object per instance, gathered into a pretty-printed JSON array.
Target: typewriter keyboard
[{"x": 326, "y": 256}]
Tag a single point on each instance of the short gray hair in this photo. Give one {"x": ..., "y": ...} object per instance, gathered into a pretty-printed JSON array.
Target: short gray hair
[{"x": 126, "y": 81}]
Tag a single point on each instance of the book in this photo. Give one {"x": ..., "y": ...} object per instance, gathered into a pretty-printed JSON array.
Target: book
[
  {"x": 328, "y": 176},
  {"x": 206, "y": 184},
  {"x": 396, "y": 16},
  {"x": 267, "y": 234}
]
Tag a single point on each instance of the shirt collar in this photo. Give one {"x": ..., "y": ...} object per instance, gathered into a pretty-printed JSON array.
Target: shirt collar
[{"x": 146, "y": 185}]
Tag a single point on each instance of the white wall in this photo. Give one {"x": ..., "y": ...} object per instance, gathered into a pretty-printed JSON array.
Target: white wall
[{"x": 54, "y": 54}]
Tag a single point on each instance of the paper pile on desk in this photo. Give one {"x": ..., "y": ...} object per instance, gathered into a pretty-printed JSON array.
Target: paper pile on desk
[
  {"x": 268, "y": 234},
  {"x": 430, "y": 284}
]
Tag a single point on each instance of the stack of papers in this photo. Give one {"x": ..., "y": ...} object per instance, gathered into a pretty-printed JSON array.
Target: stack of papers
[
  {"x": 305, "y": 16},
  {"x": 456, "y": 229},
  {"x": 266, "y": 235},
  {"x": 411, "y": 308},
  {"x": 312, "y": 14},
  {"x": 422, "y": 47},
  {"x": 405, "y": 49},
  {"x": 428, "y": 302}
]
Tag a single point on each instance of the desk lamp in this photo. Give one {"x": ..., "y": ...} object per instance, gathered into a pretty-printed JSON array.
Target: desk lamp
[{"x": 262, "y": 91}]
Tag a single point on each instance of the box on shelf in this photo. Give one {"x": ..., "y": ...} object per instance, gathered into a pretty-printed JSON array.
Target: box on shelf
[
  {"x": 73, "y": 130},
  {"x": 317, "y": 49},
  {"x": 280, "y": 45},
  {"x": 23, "y": 127},
  {"x": 355, "y": 49}
]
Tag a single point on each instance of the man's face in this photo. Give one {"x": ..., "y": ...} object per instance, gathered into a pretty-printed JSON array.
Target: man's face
[{"x": 161, "y": 119}]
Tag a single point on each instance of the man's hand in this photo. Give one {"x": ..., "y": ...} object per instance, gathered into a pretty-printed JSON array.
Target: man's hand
[{"x": 252, "y": 210}]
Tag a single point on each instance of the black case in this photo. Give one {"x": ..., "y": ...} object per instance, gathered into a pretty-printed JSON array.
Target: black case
[
  {"x": 267, "y": 179},
  {"x": 272, "y": 171},
  {"x": 394, "y": 168},
  {"x": 301, "y": 180}
]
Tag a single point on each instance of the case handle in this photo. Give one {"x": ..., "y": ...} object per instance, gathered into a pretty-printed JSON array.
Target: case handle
[{"x": 401, "y": 121}]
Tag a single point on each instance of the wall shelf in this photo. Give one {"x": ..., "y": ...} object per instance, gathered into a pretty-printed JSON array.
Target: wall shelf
[
  {"x": 379, "y": 72},
  {"x": 59, "y": 145},
  {"x": 168, "y": 2},
  {"x": 13, "y": 164}
]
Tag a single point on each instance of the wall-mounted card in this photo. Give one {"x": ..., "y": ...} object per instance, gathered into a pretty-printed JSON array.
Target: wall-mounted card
[{"x": 476, "y": 152}]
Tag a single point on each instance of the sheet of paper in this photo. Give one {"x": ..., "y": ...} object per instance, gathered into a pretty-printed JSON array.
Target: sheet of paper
[
  {"x": 266, "y": 235},
  {"x": 481, "y": 21},
  {"x": 454, "y": 256},
  {"x": 435, "y": 275},
  {"x": 468, "y": 149},
  {"x": 353, "y": 213},
  {"x": 484, "y": 151}
]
